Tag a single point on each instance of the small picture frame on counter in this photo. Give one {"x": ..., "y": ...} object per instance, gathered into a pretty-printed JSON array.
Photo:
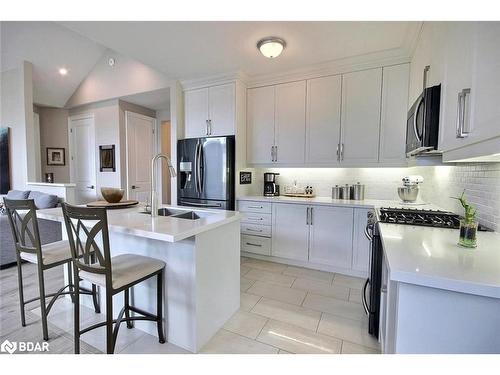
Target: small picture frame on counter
[
  {"x": 245, "y": 178},
  {"x": 107, "y": 158}
]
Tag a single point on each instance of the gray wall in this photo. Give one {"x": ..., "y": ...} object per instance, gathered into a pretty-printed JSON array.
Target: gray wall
[{"x": 54, "y": 133}]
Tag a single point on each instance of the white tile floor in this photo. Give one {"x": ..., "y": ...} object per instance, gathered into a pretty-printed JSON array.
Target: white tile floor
[{"x": 284, "y": 309}]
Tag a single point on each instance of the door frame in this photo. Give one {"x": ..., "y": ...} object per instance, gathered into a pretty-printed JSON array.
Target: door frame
[
  {"x": 156, "y": 144},
  {"x": 80, "y": 116}
]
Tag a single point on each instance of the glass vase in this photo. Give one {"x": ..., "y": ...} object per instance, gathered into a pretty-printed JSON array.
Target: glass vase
[{"x": 468, "y": 233}]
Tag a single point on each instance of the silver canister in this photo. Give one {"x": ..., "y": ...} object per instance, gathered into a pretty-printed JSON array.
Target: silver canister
[
  {"x": 358, "y": 192},
  {"x": 336, "y": 193},
  {"x": 345, "y": 192}
]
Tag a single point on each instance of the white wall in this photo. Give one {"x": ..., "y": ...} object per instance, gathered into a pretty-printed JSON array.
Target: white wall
[
  {"x": 16, "y": 112},
  {"x": 126, "y": 77}
]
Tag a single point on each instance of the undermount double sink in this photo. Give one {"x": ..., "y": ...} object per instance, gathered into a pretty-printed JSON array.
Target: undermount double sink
[{"x": 179, "y": 214}]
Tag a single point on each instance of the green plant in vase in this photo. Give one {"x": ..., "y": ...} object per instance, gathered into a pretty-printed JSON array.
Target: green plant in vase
[{"x": 468, "y": 225}]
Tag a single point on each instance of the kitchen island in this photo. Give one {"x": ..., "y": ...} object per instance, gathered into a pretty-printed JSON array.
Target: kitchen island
[{"x": 202, "y": 278}]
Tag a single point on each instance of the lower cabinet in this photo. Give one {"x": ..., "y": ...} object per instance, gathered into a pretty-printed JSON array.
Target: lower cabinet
[
  {"x": 330, "y": 238},
  {"x": 290, "y": 231}
]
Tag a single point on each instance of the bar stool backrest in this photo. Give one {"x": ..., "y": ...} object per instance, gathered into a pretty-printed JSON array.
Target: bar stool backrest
[
  {"x": 83, "y": 225},
  {"x": 24, "y": 226}
]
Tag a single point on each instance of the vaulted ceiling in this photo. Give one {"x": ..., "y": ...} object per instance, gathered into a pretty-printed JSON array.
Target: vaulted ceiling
[
  {"x": 185, "y": 50},
  {"x": 49, "y": 46}
]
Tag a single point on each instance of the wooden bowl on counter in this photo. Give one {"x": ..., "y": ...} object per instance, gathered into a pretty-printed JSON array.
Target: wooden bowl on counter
[{"x": 112, "y": 195}]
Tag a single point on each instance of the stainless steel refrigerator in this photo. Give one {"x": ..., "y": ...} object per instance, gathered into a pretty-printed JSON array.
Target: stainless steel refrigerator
[{"x": 206, "y": 172}]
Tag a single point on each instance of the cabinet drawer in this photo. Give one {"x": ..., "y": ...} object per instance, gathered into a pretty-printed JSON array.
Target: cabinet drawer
[
  {"x": 256, "y": 218},
  {"x": 247, "y": 206},
  {"x": 255, "y": 244},
  {"x": 256, "y": 230}
]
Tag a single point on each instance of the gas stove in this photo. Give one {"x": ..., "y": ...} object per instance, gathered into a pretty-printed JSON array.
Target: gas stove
[{"x": 428, "y": 218}]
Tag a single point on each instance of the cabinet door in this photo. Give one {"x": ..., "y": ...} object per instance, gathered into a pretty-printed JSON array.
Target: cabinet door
[
  {"x": 393, "y": 117},
  {"x": 331, "y": 236},
  {"x": 290, "y": 231},
  {"x": 221, "y": 109},
  {"x": 196, "y": 112},
  {"x": 458, "y": 61},
  {"x": 260, "y": 125},
  {"x": 290, "y": 115},
  {"x": 361, "y": 116},
  {"x": 360, "y": 244},
  {"x": 323, "y": 120},
  {"x": 485, "y": 94}
]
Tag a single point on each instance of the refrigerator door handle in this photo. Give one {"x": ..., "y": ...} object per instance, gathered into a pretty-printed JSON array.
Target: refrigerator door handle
[
  {"x": 201, "y": 167},
  {"x": 197, "y": 168}
]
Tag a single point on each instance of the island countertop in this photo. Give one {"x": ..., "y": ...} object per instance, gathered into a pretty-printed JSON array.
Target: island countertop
[{"x": 164, "y": 228}]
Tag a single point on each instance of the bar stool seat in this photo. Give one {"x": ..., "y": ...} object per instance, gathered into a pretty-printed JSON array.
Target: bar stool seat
[
  {"x": 126, "y": 269},
  {"x": 54, "y": 252}
]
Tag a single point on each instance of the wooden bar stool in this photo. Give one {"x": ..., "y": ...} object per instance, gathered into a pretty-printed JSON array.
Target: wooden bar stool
[
  {"x": 115, "y": 274},
  {"x": 24, "y": 225}
]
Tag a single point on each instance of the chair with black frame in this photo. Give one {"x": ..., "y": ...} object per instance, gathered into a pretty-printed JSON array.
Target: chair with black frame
[
  {"x": 86, "y": 227},
  {"x": 24, "y": 224}
]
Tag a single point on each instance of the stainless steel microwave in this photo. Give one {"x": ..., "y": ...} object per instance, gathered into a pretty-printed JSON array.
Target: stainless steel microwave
[{"x": 422, "y": 126}]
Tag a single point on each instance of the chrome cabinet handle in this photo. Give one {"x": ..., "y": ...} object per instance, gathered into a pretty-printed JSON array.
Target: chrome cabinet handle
[
  {"x": 255, "y": 218},
  {"x": 272, "y": 153},
  {"x": 253, "y": 230},
  {"x": 462, "y": 114},
  {"x": 206, "y": 127},
  {"x": 311, "y": 216},
  {"x": 253, "y": 244},
  {"x": 307, "y": 216},
  {"x": 275, "y": 153},
  {"x": 342, "y": 151},
  {"x": 338, "y": 152},
  {"x": 259, "y": 207},
  {"x": 209, "y": 127}
]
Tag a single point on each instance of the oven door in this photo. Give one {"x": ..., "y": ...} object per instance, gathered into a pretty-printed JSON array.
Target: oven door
[
  {"x": 371, "y": 297},
  {"x": 415, "y": 127}
]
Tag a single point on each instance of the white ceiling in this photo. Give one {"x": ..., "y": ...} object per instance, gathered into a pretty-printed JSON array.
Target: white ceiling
[
  {"x": 185, "y": 50},
  {"x": 158, "y": 100},
  {"x": 49, "y": 46}
]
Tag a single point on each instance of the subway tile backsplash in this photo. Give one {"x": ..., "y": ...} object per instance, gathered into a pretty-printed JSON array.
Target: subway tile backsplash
[{"x": 481, "y": 182}]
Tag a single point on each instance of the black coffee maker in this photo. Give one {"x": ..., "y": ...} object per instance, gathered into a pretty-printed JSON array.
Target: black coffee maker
[{"x": 271, "y": 189}]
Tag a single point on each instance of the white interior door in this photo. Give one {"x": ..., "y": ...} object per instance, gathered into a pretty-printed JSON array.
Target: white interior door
[
  {"x": 83, "y": 151},
  {"x": 140, "y": 150}
]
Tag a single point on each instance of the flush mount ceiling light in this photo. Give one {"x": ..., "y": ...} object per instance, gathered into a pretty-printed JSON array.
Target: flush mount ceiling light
[
  {"x": 271, "y": 47},
  {"x": 63, "y": 71}
]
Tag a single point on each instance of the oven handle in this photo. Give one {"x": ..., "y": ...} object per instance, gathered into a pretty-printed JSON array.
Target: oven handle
[
  {"x": 415, "y": 115},
  {"x": 363, "y": 299},
  {"x": 367, "y": 231}
]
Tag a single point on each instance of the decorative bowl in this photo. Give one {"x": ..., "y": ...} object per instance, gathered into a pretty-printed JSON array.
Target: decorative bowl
[
  {"x": 408, "y": 193},
  {"x": 112, "y": 195}
]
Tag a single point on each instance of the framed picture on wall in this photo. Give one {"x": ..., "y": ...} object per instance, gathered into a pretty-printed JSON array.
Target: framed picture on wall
[
  {"x": 56, "y": 156},
  {"x": 107, "y": 158}
]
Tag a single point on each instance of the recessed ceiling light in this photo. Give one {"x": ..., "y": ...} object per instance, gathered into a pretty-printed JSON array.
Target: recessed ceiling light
[
  {"x": 271, "y": 47},
  {"x": 63, "y": 71}
]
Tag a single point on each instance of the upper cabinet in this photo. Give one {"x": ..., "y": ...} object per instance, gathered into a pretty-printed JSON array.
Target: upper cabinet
[
  {"x": 395, "y": 80},
  {"x": 210, "y": 111},
  {"x": 276, "y": 124},
  {"x": 361, "y": 117},
  {"x": 323, "y": 120},
  {"x": 355, "y": 119}
]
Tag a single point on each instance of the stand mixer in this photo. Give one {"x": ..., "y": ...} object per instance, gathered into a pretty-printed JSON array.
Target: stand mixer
[{"x": 409, "y": 191}]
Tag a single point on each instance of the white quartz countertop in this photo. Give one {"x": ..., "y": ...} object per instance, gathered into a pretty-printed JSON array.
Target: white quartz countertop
[
  {"x": 431, "y": 257},
  {"x": 327, "y": 201},
  {"x": 170, "y": 229}
]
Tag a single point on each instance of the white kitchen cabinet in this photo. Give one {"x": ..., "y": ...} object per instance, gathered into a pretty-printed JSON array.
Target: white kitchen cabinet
[
  {"x": 458, "y": 61},
  {"x": 290, "y": 112},
  {"x": 360, "y": 244},
  {"x": 290, "y": 231},
  {"x": 392, "y": 150},
  {"x": 221, "y": 109},
  {"x": 360, "y": 117},
  {"x": 260, "y": 125},
  {"x": 323, "y": 120},
  {"x": 330, "y": 241},
  {"x": 210, "y": 111},
  {"x": 196, "y": 113}
]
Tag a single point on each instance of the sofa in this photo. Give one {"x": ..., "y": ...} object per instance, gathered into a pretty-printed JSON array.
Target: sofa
[{"x": 50, "y": 231}]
